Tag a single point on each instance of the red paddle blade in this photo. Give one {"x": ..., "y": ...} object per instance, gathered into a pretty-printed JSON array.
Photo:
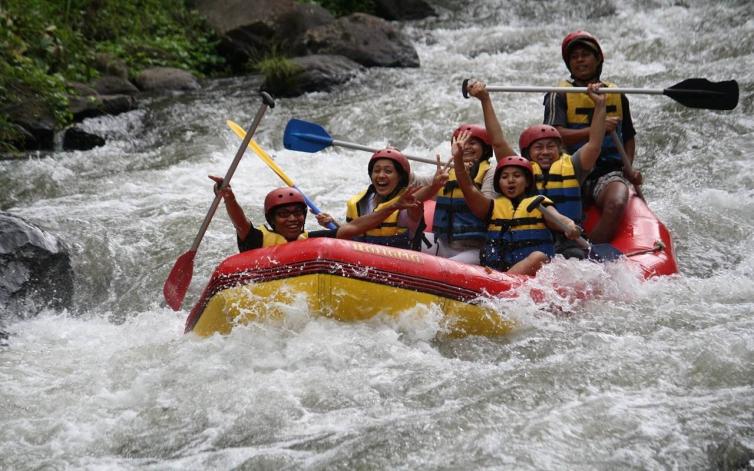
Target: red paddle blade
[{"x": 179, "y": 280}]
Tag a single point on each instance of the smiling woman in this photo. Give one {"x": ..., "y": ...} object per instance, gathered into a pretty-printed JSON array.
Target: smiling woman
[{"x": 389, "y": 173}]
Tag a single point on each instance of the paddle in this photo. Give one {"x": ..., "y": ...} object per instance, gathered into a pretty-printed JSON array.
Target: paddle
[
  {"x": 305, "y": 136},
  {"x": 599, "y": 252},
  {"x": 274, "y": 166},
  {"x": 626, "y": 161},
  {"x": 694, "y": 92},
  {"x": 179, "y": 278}
]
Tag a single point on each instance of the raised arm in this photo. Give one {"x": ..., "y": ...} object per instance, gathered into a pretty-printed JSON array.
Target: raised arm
[
  {"x": 475, "y": 199},
  {"x": 590, "y": 152},
  {"x": 500, "y": 146},
  {"x": 235, "y": 212}
]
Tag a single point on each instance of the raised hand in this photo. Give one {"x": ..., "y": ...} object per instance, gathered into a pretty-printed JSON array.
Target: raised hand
[
  {"x": 592, "y": 90},
  {"x": 442, "y": 174},
  {"x": 478, "y": 89},
  {"x": 227, "y": 192},
  {"x": 458, "y": 143},
  {"x": 407, "y": 199}
]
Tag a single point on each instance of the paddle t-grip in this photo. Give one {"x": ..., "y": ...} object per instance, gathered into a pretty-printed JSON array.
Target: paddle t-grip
[
  {"x": 537, "y": 201},
  {"x": 267, "y": 99},
  {"x": 464, "y": 91}
]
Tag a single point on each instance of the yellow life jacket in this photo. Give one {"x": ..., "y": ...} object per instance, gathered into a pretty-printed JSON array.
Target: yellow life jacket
[
  {"x": 513, "y": 233},
  {"x": 452, "y": 218},
  {"x": 270, "y": 237},
  {"x": 561, "y": 186},
  {"x": 388, "y": 232},
  {"x": 579, "y": 111}
]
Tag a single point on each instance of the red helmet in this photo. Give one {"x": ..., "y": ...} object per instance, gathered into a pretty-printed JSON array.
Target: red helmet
[
  {"x": 585, "y": 39},
  {"x": 476, "y": 131},
  {"x": 400, "y": 161},
  {"x": 535, "y": 133},
  {"x": 513, "y": 161},
  {"x": 281, "y": 197}
]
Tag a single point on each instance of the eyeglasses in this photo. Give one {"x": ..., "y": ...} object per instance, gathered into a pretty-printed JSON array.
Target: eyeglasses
[{"x": 286, "y": 213}]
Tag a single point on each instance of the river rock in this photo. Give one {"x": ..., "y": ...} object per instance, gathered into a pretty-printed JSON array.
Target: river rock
[
  {"x": 403, "y": 9},
  {"x": 249, "y": 30},
  {"x": 166, "y": 79},
  {"x": 86, "y": 102},
  {"x": 363, "y": 38},
  {"x": 316, "y": 73},
  {"x": 111, "y": 65},
  {"x": 34, "y": 120},
  {"x": 76, "y": 138},
  {"x": 35, "y": 269},
  {"x": 112, "y": 85}
]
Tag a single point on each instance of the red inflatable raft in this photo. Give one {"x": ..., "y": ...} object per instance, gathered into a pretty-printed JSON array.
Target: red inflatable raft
[{"x": 352, "y": 281}]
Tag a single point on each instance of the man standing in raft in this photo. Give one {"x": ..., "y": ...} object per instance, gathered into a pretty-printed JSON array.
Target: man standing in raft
[
  {"x": 571, "y": 114},
  {"x": 285, "y": 212}
]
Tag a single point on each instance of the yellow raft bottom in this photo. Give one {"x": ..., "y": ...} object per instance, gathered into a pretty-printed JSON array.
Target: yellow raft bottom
[{"x": 344, "y": 299}]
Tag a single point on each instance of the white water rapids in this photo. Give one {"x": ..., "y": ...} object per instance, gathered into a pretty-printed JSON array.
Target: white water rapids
[{"x": 655, "y": 375}]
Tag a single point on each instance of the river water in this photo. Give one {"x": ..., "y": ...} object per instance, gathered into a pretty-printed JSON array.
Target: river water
[{"x": 655, "y": 375}]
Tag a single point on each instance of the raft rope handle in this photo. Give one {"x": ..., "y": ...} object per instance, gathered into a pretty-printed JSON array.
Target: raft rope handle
[{"x": 658, "y": 246}]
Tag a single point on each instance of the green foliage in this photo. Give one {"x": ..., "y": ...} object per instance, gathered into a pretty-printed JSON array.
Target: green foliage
[
  {"x": 28, "y": 69},
  {"x": 278, "y": 70},
  {"x": 44, "y": 43},
  {"x": 346, "y": 7}
]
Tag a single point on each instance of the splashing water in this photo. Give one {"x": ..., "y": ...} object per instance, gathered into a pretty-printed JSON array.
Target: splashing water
[{"x": 642, "y": 375}]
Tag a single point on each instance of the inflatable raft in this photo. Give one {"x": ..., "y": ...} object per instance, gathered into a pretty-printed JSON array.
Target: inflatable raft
[{"x": 354, "y": 281}]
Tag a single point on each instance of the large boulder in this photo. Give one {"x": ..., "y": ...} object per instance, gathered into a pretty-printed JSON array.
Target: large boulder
[
  {"x": 363, "y": 38},
  {"x": 161, "y": 79},
  {"x": 249, "y": 30},
  {"x": 313, "y": 73},
  {"x": 35, "y": 269},
  {"x": 33, "y": 119}
]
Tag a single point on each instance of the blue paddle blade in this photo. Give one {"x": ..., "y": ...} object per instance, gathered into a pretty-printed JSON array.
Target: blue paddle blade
[
  {"x": 604, "y": 253},
  {"x": 305, "y": 136}
]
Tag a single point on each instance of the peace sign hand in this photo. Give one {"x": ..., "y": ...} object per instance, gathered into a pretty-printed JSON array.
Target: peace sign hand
[{"x": 442, "y": 174}]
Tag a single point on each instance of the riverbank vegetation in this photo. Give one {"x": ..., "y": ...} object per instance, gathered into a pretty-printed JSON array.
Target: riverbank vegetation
[{"x": 44, "y": 44}]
